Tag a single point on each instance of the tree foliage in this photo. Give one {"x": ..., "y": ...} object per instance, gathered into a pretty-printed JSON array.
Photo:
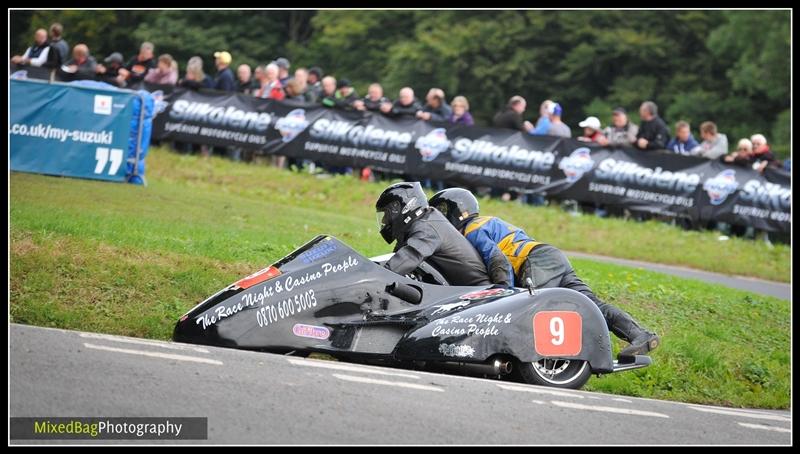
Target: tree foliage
[{"x": 730, "y": 67}]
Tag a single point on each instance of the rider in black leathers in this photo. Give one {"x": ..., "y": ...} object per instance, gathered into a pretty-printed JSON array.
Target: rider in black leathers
[{"x": 423, "y": 233}]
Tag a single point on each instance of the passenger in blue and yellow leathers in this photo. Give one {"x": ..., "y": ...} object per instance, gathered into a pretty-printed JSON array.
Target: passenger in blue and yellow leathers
[{"x": 524, "y": 258}]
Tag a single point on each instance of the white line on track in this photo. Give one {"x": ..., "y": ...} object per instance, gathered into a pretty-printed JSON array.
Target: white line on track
[
  {"x": 624, "y": 411},
  {"x": 346, "y": 367},
  {"x": 399, "y": 384},
  {"x": 532, "y": 389},
  {"x": 194, "y": 359},
  {"x": 762, "y": 427},
  {"x": 741, "y": 414},
  {"x": 128, "y": 340},
  {"x": 619, "y": 399}
]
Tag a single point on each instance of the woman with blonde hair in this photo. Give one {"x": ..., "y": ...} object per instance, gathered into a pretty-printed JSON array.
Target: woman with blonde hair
[
  {"x": 195, "y": 77},
  {"x": 461, "y": 115},
  {"x": 742, "y": 155},
  {"x": 165, "y": 73}
]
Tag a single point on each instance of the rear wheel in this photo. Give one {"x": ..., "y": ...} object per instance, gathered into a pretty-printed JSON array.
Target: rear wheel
[{"x": 556, "y": 372}]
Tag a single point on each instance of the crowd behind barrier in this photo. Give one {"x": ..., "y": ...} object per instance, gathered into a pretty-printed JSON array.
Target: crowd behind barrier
[
  {"x": 660, "y": 183},
  {"x": 316, "y": 94}
]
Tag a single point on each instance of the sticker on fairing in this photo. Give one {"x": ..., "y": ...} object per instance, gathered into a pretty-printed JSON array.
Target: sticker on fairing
[
  {"x": 489, "y": 293},
  {"x": 557, "y": 333},
  {"x": 314, "y": 332}
]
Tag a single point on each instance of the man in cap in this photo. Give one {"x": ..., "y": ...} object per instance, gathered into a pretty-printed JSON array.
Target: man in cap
[
  {"x": 557, "y": 127},
  {"x": 224, "y": 80},
  {"x": 111, "y": 74},
  {"x": 343, "y": 98},
  {"x": 591, "y": 130},
  {"x": 283, "y": 70}
]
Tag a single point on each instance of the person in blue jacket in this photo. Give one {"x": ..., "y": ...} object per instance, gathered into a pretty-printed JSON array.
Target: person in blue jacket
[
  {"x": 532, "y": 263},
  {"x": 683, "y": 142},
  {"x": 225, "y": 80}
]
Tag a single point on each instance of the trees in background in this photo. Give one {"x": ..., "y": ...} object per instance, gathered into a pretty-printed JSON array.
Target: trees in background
[{"x": 730, "y": 67}]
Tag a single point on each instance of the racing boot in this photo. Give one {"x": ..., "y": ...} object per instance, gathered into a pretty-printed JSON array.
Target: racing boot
[{"x": 625, "y": 327}]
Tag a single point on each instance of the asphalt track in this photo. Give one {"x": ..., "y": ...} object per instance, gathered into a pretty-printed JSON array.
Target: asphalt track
[
  {"x": 259, "y": 398},
  {"x": 776, "y": 289}
]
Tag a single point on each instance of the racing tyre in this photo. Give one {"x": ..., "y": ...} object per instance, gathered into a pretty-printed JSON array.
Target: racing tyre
[{"x": 557, "y": 373}]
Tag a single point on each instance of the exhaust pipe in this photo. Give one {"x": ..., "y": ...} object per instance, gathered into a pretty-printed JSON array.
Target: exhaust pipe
[{"x": 496, "y": 367}]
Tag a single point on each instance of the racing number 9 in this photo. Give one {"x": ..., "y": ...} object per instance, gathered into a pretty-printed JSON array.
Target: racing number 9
[
  {"x": 557, "y": 333},
  {"x": 557, "y": 330}
]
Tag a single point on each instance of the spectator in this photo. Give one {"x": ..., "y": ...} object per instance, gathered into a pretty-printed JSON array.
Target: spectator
[
  {"x": 543, "y": 123},
  {"x": 373, "y": 100},
  {"x": 81, "y": 66},
  {"x": 591, "y": 130},
  {"x": 435, "y": 108},
  {"x": 259, "y": 76},
  {"x": 461, "y": 115},
  {"x": 271, "y": 87},
  {"x": 557, "y": 127},
  {"x": 36, "y": 54},
  {"x": 315, "y": 83},
  {"x": 58, "y": 45},
  {"x": 344, "y": 96},
  {"x": 301, "y": 76},
  {"x": 653, "y": 133},
  {"x": 328, "y": 88},
  {"x": 346, "y": 91},
  {"x": 294, "y": 91},
  {"x": 511, "y": 117},
  {"x": 762, "y": 155},
  {"x": 621, "y": 132},
  {"x": 110, "y": 74},
  {"x": 224, "y": 80},
  {"x": 246, "y": 84},
  {"x": 283, "y": 70},
  {"x": 714, "y": 145},
  {"x": 683, "y": 142},
  {"x": 195, "y": 77},
  {"x": 406, "y": 105},
  {"x": 138, "y": 67},
  {"x": 165, "y": 73},
  {"x": 743, "y": 154}
]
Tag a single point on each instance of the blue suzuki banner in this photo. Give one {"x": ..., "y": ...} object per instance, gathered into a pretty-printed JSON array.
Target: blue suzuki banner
[{"x": 71, "y": 131}]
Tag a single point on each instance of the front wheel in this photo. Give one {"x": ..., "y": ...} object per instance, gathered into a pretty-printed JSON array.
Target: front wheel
[{"x": 556, "y": 372}]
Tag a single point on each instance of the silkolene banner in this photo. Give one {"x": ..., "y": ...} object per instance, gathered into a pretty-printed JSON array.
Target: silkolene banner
[{"x": 658, "y": 182}]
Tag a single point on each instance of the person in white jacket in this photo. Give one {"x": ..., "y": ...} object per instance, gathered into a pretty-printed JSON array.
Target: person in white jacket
[{"x": 36, "y": 55}]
